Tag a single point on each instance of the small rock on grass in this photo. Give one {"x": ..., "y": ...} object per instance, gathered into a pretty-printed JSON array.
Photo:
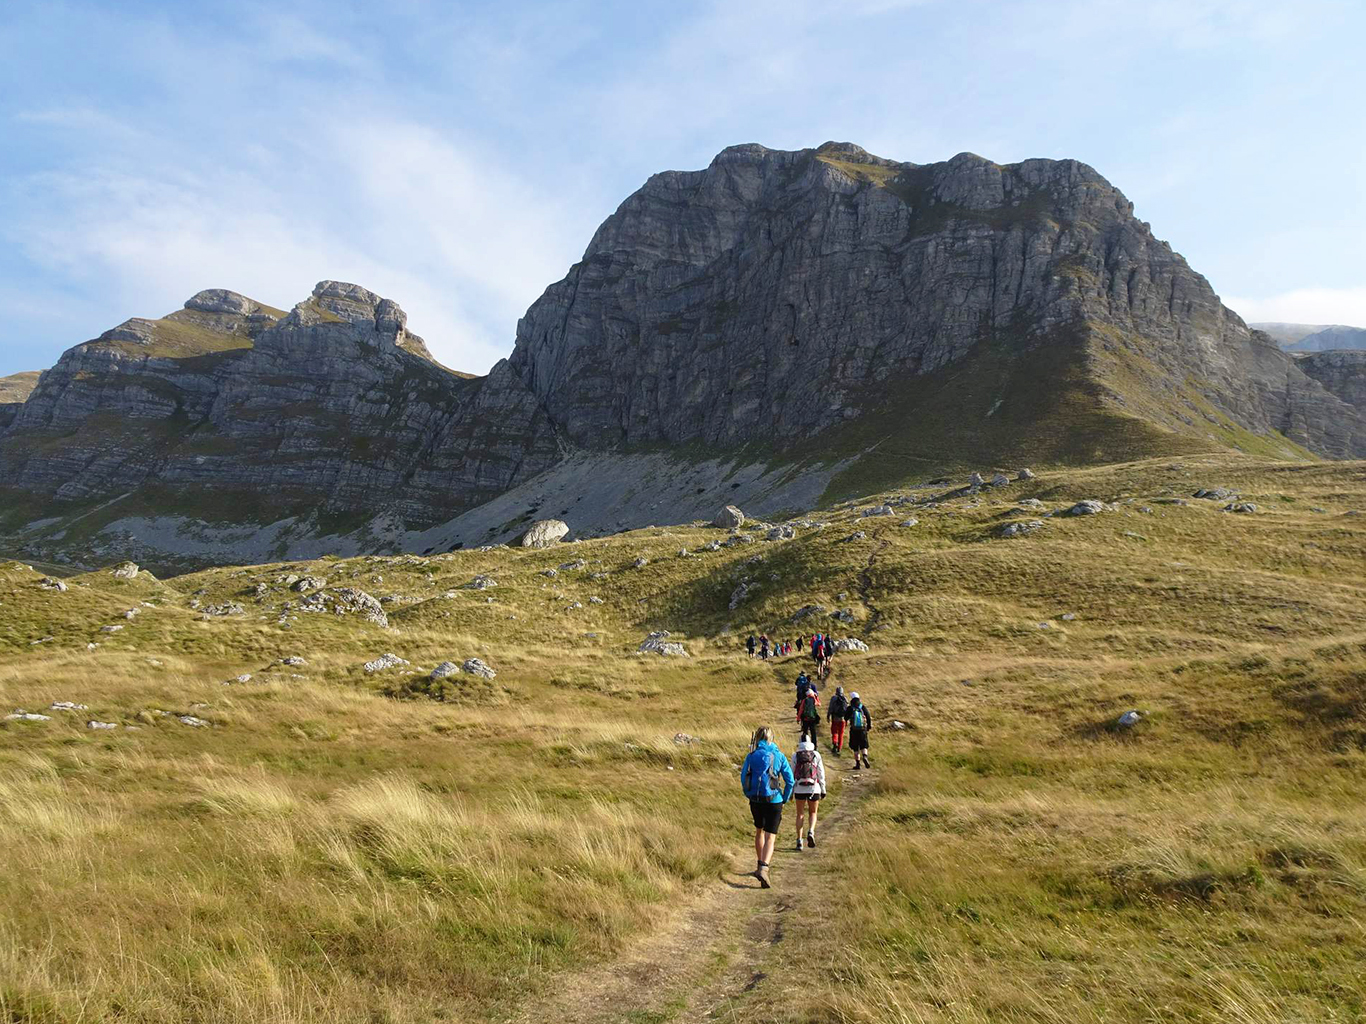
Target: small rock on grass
[
  {"x": 92, "y": 724},
  {"x": 476, "y": 667},
  {"x": 383, "y": 662}
]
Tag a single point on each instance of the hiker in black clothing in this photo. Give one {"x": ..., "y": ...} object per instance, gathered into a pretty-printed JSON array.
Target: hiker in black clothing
[
  {"x": 809, "y": 715},
  {"x": 860, "y": 722},
  {"x": 803, "y": 684},
  {"x": 763, "y": 646},
  {"x": 750, "y": 644},
  {"x": 838, "y": 704}
]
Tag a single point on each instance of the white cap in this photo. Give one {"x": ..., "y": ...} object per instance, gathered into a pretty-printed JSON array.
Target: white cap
[
  {"x": 854, "y": 695},
  {"x": 806, "y": 745}
]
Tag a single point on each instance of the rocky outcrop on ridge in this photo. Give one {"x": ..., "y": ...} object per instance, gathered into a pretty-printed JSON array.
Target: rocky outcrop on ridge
[{"x": 334, "y": 405}]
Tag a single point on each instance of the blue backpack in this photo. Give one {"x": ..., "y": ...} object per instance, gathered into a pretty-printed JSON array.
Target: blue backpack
[{"x": 759, "y": 777}]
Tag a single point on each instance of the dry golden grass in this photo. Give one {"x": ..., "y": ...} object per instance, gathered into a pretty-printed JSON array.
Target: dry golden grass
[{"x": 324, "y": 852}]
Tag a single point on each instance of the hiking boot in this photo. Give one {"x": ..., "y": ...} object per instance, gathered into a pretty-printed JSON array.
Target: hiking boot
[
  {"x": 865, "y": 761},
  {"x": 799, "y": 844},
  {"x": 762, "y": 875},
  {"x": 811, "y": 840}
]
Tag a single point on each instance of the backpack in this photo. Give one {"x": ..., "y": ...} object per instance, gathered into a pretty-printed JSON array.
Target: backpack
[
  {"x": 758, "y": 778},
  {"x": 810, "y": 712},
  {"x": 806, "y": 766},
  {"x": 859, "y": 718}
]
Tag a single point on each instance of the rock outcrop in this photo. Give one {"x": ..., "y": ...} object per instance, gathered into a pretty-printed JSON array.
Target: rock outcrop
[{"x": 1343, "y": 372}]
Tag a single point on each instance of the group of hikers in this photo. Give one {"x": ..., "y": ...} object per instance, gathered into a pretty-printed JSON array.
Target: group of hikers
[
  {"x": 769, "y": 780},
  {"x": 822, "y": 647}
]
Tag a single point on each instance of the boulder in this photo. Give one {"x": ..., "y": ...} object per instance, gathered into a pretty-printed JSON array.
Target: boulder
[
  {"x": 92, "y": 724},
  {"x": 544, "y": 533},
  {"x": 573, "y": 566},
  {"x": 20, "y": 715},
  {"x": 1245, "y": 508},
  {"x": 481, "y": 582},
  {"x": 1088, "y": 508},
  {"x": 1025, "y": 474},
  {"x": 659, "y": 643},
  {"x": 1020, "y": 529},
  {"x": 856, "y": 535},
  {"x": 879, "y": 510},
  {"x": 781, "y": 533},
  {"x": 384, "y": 662},
  {"x": 476, "y": 667},
  {"x": 1213, "y": 493},
  {"x": 641, "y": 562},
  {"x": 49, "y": 583},
  {"x": 446, "y": 668},
  {"x": 66, "y": 705},
  {"x": 226, "y": 608},
  {"x": 850, "y": 644},
  {"x": 807, "y": 611},
  {"x": 1000, "y": 480},
  {"x": 729, "y": 518},
  {"x": 738, "y": 596},
  {"x": 306, "y": 583},
  {"x": 682, "y": 739},
  {"x": 125, "y": 571},
  {"x": 975, "y": 480},
  {"x": 1129, "y": 719},
  {"x": 913, "y": 521}
]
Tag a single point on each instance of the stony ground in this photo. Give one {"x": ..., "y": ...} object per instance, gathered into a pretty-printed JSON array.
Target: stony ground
[{"x": 248, "y": 794}]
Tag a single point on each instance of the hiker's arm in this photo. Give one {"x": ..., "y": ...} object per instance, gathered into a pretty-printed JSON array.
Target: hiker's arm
[{"x": 789, "y": 780}]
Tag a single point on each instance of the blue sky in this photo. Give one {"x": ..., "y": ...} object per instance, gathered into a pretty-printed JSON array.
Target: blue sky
[{"x": 457, "y": 157}]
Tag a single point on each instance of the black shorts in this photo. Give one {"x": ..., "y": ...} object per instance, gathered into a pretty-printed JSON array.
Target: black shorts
[
  {"x": 767, "y": 816},
  {"x": 858, "y": 739}
]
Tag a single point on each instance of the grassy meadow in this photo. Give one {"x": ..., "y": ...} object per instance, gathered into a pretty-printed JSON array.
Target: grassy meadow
[{"x": 336, "y": 845}]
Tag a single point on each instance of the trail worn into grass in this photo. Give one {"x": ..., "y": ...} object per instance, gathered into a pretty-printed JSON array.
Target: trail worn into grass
[{"x": 716, "y": 956}]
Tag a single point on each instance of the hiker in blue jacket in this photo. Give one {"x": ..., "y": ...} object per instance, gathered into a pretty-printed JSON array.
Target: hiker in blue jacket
[{"x": 766, "y": 777}]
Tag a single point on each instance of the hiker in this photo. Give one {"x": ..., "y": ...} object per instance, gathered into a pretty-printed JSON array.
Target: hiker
[
  {"x": 818, "y": 652},
  {"x": 809, "y": 714},
  {"x": 763, "y": 646},
  {"x": 766, "y": 778},
  {"x": 860, "y": 722},
  {"x": 803, "y": 684},
  {"x": 808, "y": 790},
  {"x": 838, "y": 704},
  {"x": 750, "y": 644}
]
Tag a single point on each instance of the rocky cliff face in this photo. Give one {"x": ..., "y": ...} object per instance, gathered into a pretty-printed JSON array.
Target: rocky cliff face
[
  {"x": 1343, "y": 373},
  {"x": 816, "y": 314},
  {"x": 777, "y": 294},
  {"x": 334, "y": 407}
]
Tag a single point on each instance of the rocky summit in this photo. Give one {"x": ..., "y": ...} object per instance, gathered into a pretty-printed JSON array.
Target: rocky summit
[{"x": 778, "y": 329}]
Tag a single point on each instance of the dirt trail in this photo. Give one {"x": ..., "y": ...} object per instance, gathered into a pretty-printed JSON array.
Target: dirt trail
[{"x": 714, "y": 954}]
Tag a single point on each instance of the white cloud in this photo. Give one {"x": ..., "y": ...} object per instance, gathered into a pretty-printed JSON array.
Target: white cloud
[{"x": 1305, "y": 306}]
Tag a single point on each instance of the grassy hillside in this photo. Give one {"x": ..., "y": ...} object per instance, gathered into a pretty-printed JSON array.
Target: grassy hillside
[{"x": 335, "y": 845}]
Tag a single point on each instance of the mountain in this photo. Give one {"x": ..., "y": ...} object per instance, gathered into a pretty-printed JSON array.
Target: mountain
[
  {"x": 780, "y": 328},
  {"x": 1313, "y": 337},
  {"x": 1335, "y": 337},
  {"x": 1284, "y": 334}
]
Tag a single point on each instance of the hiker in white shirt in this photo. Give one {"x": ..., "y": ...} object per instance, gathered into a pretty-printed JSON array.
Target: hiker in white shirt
[{"x": 808, "y": 790}]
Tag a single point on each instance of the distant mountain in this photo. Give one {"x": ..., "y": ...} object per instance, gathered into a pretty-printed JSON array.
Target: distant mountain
[
  {"x": 1314, "y": 337},
  {"x": 1330, "y": 338},
  {"x": 779, "y": 329},
  {"x": 1287, "y": 334}
]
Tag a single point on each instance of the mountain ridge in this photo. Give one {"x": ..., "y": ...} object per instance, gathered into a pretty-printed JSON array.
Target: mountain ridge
[{"x": 802, "y": 323}]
